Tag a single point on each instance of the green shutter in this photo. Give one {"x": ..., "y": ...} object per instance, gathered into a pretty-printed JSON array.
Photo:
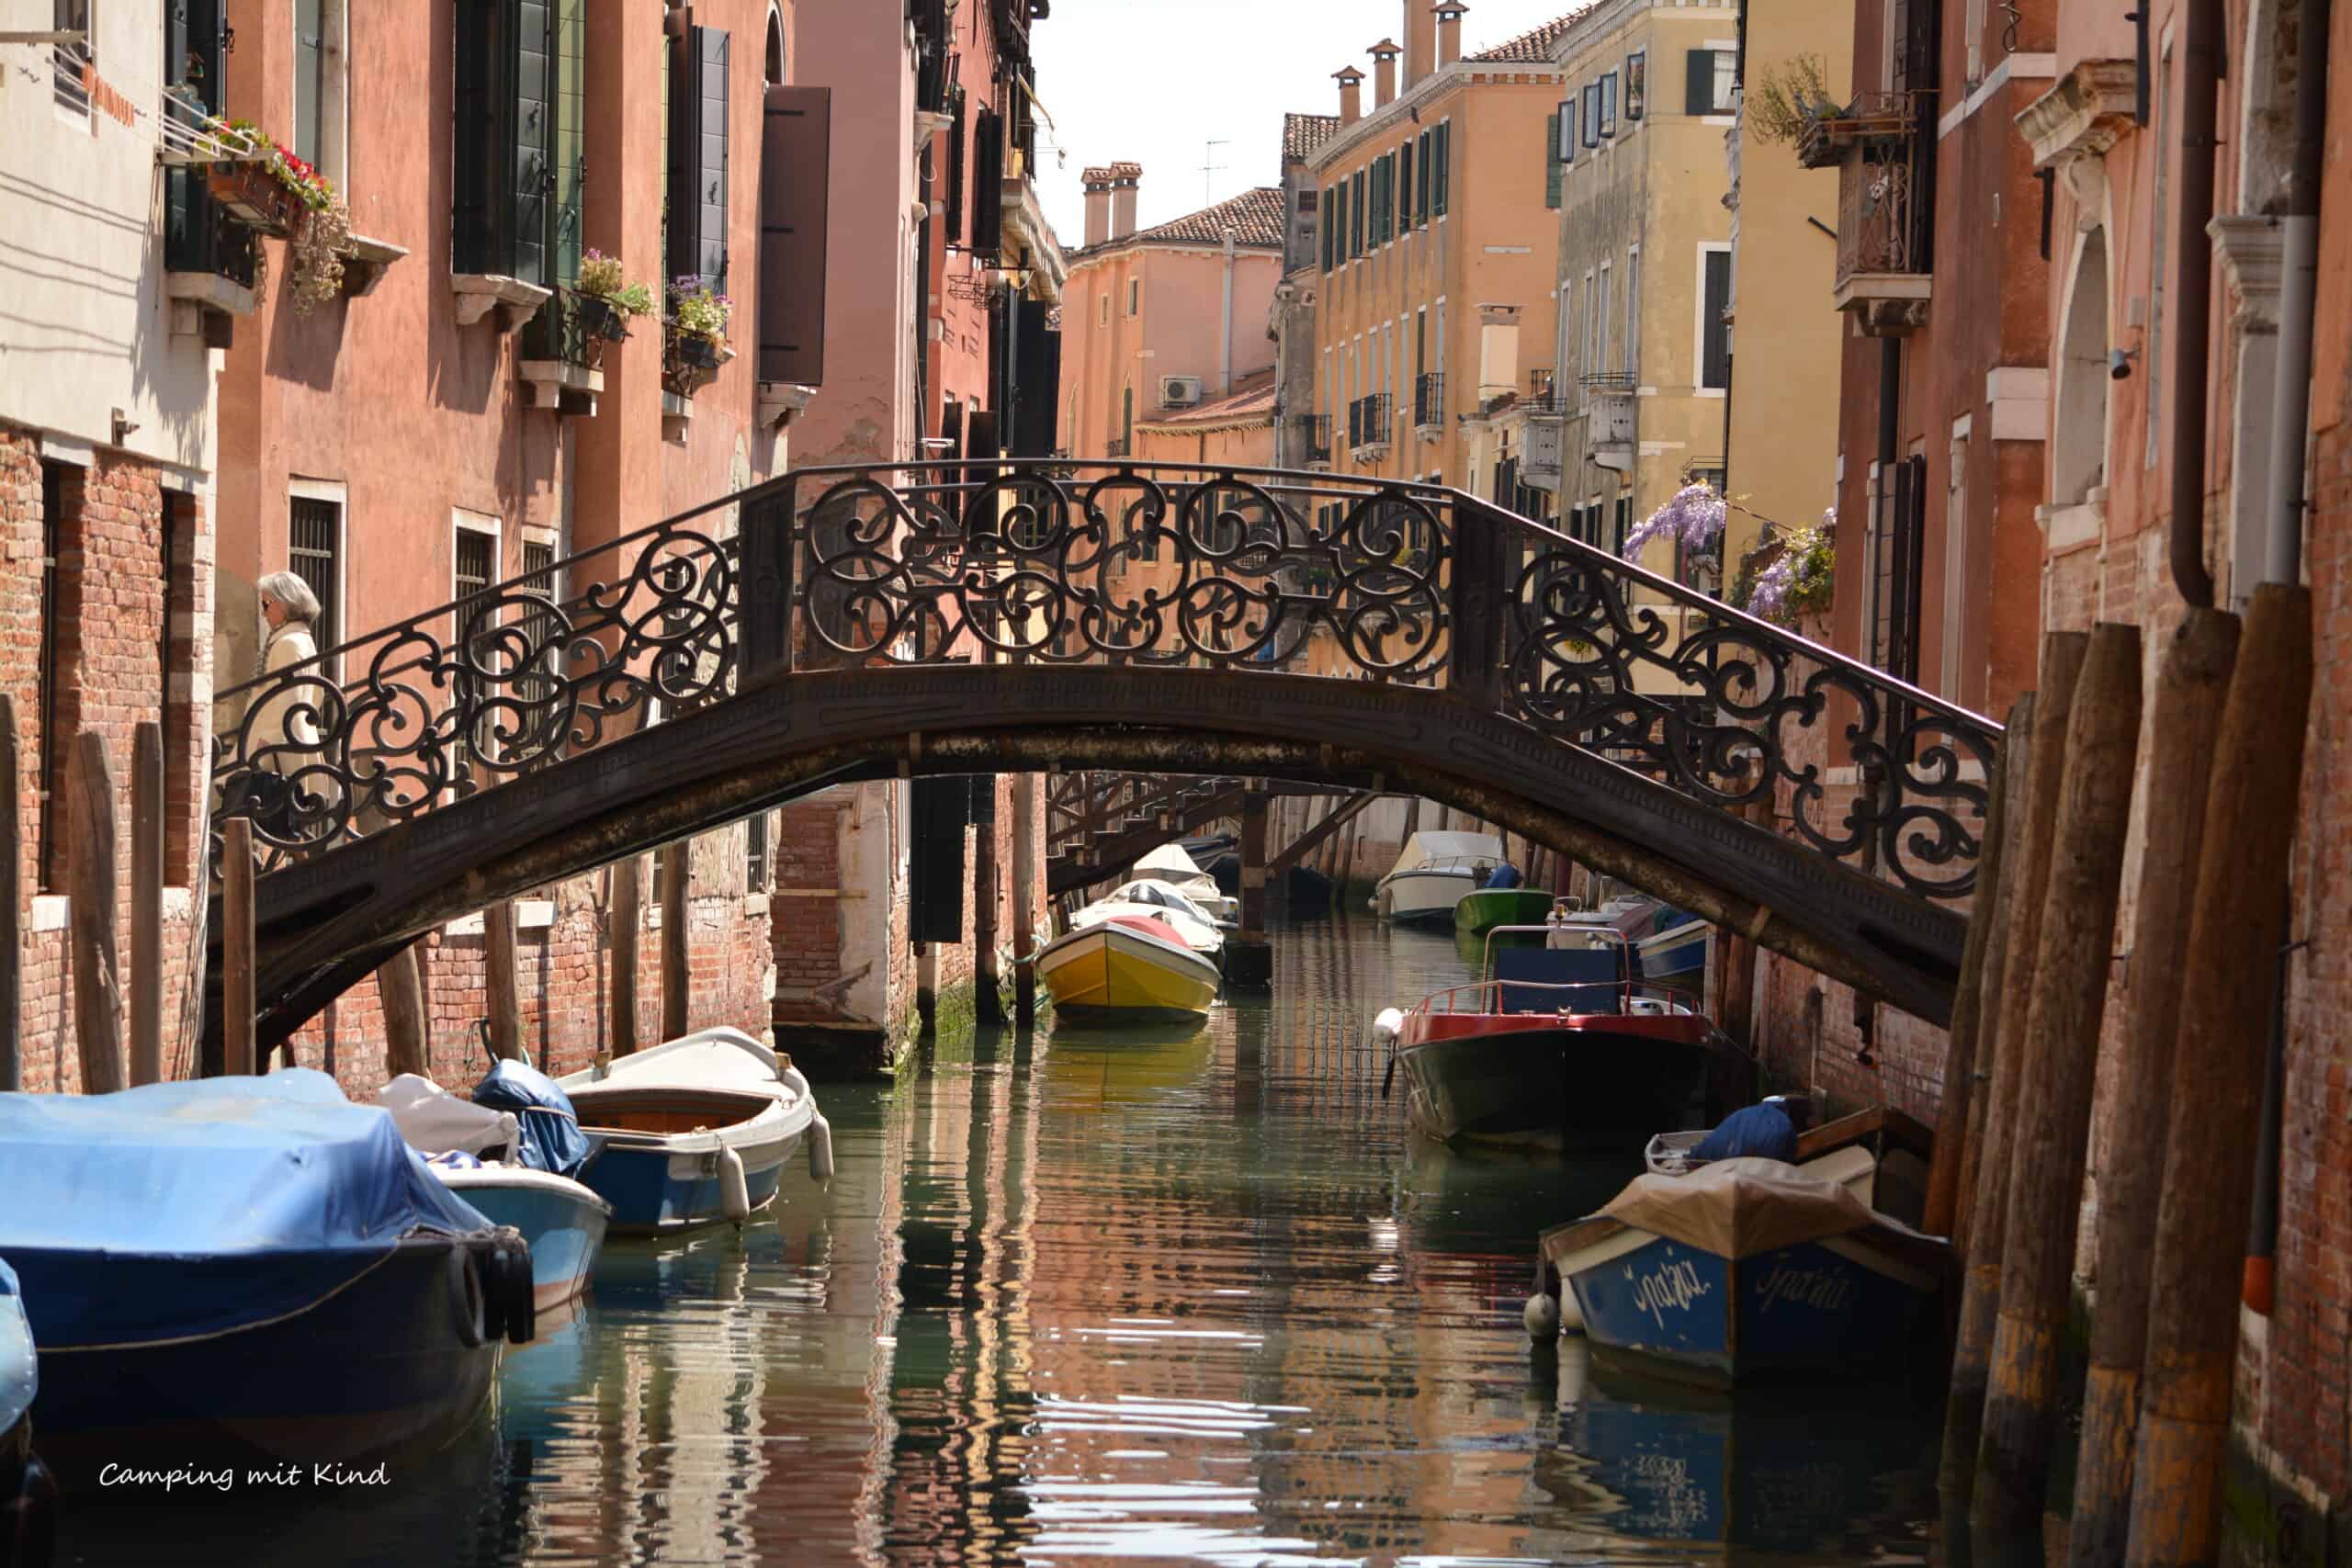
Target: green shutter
[
  {"x": 567, "y": 138},
  {"x": 309, "y": 58},
  {"x": 1552, "y": 168},
  {"x": 1405, "y": 188},
  {"x": 1442, "y": 157},
  {"x": 698, "y": 172},
  {"x": 531, "y": 145}
]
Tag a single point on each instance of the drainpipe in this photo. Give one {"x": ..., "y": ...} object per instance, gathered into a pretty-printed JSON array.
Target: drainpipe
[
  {"x": 2199, "y": 93},
  {"x": 1224, "y": 354},
  {"x": 2290, "y": 421}
]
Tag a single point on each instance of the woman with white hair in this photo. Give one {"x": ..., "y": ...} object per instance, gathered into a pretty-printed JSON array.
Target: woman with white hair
[{"x": 281, "y": 733}]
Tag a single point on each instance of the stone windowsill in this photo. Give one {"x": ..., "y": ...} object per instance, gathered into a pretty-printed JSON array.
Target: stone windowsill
[
  {"x": 211, "y": 291},
  {"x": 2073, "y": 528},
  {"x": 779, "y": 401},
  {"x": 365, "y": 262},
  {"x": 478, "y": 294},
  {"x": 561, "y": 385}
]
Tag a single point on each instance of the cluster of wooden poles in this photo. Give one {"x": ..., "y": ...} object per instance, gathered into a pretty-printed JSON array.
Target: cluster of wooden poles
[{"x": 2217, "y": 800}]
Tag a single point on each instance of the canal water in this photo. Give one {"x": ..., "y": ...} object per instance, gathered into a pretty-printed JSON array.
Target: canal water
[{"x": 1089, "y": 1296}]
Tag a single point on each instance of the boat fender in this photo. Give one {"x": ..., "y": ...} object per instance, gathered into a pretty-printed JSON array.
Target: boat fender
[
  {"x": 511, "y": 1286},
  {"x": 1385, "y": 1028},
  {"x": 1571, "y": 1314},
  {"x": 820, "y": 1149},
  {"x": 1542, "y": 1315},
  {"x": 467, "y": 1307},
  {"x": 734, "y": 1191}
]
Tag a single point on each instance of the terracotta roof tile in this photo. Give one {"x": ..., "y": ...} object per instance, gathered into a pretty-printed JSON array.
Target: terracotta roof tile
[
  {"x": 1303, "y": 133},
  {"x": 1255, "y": 217},
  {"x": 1252, "y": 404},
  {"x": 1533, "y": 47}
]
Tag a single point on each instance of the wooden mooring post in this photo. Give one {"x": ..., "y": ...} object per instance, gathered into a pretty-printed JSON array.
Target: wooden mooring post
[
  {"x": 501, "y": 985},
  {"x": 1249, "y": 956},
  {"x": 1980, "y": 1301},
  {"x": 677, "y": 947},
  {"x": 2183, "y": 721},
  {"x": 2072, "y": 963},
  {"x": 2016, "y": 754},
  {"x": 237, "y": 946},
  {"x": 1025, "y": 876},
  {"x": 147, "y": 903},
  {"x": 627, "y": 917},
  {"x": 2235, "y": 926},
  {"x": 97, "y": 966},
  {"x": 1968, "y": 1030},
  {"x": 12, "y": 909},
  {"x": 400, "y": 984}
]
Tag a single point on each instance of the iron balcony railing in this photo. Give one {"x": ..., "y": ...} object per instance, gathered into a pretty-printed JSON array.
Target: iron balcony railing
[
  {"x": 1311, "y": 435},
  {"x": 1368, "y": 420},
  {"x": 935, "y": 564},
  {"x": 1429, "y": 399}
]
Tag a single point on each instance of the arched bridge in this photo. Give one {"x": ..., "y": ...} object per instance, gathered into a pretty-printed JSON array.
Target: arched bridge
[{"x": 838, "y": 624}]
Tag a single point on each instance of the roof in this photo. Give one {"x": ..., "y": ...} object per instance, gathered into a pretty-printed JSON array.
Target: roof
[
  {"x": 1255, "y": 217},
  {"x": 1253, "y": 404},
  {"x": 1533, "y": 47},
  {"x": 1303, "y": 133}
]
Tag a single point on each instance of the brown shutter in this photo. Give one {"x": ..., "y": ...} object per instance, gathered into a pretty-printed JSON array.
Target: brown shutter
[
  {"x": 795, "y": 163},
  {"x": 987, "y": 184}
]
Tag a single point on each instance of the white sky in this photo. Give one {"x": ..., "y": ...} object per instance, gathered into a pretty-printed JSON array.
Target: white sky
[{"x": 1152, "y": 80}]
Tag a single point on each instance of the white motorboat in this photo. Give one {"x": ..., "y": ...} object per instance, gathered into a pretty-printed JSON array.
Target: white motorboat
[
  {"x": 1433, "y": 873},
  {"x": 1201, "y": 930},
  {"x": 1171, "y": 866}
]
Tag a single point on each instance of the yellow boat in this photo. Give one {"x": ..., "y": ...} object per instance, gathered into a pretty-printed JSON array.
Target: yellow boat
[{"x": 1127, "y": 968}]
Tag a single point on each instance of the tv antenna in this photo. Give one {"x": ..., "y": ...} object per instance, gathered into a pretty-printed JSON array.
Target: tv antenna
[{"x": 1210, "y": 167}]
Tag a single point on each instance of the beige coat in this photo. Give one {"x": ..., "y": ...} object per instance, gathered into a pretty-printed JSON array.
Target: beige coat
[{"x": 284, "y": 716}]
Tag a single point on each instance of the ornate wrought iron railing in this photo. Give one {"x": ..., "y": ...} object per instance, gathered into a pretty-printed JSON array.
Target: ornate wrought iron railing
[{"x": 1145, "y": 565}]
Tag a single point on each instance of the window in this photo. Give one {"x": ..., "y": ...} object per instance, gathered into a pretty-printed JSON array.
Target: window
[
  {"x": 476, "y": 562},
  {"x": 1897, "y": 525},
  {"x": 697, "y": 156},
  {"x": 1715, "y": 332},
  {"x": 1600, "y": 316},
  {"x": 1554, "y": 127},
  {"x": 499, "y": 218},
  {"x": 1563, "y": 127},
  {"x": 1608, "y": 94},
  {"x": 772, "y": 67},
  {"x": 756, "y": 854},
  {"x": 1563, "y": 344},
  {"x": 1592, "y": 101},
  {"x": 1637, "y": 67},
  {"x": 1103, "y": 310},
  {"x": 1634, "y": 314},
  {"x": 1440, "y": 164},
  {"x": 1709, "y": 81},
  {"x": 952, "y": 218},
  {"x": 1356, "y": 213},
  {"x": 1135, "y": 297},
  {"x": 1955, "y": 561},
  {"x": 1421, "y": 215},
  {"x": 1306, "y": 201},
  {"x": 66, "y": 60},
  {"x": 320, "y": 85},
  {"x": 313, "y": 553}
]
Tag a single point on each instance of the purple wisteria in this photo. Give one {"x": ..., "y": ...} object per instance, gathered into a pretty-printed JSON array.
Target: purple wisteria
[
  {"x": 1694, "y": 518},
  {"x": 1799, "y": 580}
]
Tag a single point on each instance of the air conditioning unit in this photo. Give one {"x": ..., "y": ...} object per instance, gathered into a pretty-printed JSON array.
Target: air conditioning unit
[{"x": 1180, "y": 391}]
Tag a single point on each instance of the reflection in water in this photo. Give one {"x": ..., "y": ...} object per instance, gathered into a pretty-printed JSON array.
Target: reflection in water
[{"x": 1098, "y": 1295}]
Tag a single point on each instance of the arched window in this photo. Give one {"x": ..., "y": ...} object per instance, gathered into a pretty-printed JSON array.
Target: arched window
[
  {"x": 773, "y": 71},
  {"x": 2078, "y": 452}
]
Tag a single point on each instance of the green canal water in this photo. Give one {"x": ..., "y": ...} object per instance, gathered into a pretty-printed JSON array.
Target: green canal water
[{"x": 1085, "y": 1297}]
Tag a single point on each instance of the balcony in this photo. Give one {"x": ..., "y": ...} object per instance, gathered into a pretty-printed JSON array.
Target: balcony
[
  {"x": 1428, "y": 406},
  {"x": 690, "y": 361},
  {"x": 1311, "y": 439},
  {"x": 1369, "y": 428},
  {"x": 563, "y": 352},
  {"x": 1871, "y": 120},
  {"x": 1884, "y": 275}
]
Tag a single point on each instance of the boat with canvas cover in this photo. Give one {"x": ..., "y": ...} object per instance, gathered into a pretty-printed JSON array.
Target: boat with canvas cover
[
  {"x": 696, "y": 1131},
  {"x": 515, "y": 1152},
  {"x": 1125, "y": 963},
  {"x": 1747, "y": 1270},
  {"x": 1170, "y": 863},
  {"x": 1203, "y": 932},
  {"x": 1881, "y": 1156},
  {"x": 1432, "y": 873},
  {"x": 1565, "y": 1043},
  {"x": 246, "y": 1270},
  {"x": 28, "y": 1492}
]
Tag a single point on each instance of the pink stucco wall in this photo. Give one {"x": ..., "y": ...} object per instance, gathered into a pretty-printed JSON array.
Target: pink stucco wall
[{"x": 1179, "y": 330}]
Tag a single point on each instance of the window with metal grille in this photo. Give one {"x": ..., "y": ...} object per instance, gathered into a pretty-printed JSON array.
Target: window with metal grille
[
  {"x": 314, "y": 533},
  {"x": 67, "y": 58},
  {"x": 756, "y": 854}
]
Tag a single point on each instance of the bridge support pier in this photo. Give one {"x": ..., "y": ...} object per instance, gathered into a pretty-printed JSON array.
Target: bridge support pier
[
  {"x": 1249, "y": 956},
  {"x": 1026, "y": 874}
]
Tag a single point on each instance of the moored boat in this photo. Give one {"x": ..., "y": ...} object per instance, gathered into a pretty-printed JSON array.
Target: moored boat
[
  {"x": 1483, "y": 911},
  {"x": 1674, "y": 951},
  {"x": 1171, "y": 864},
  {"x": 694, "y": 1131},
  {"x": 1127, "y": 966},
  {"x": 27, "y": 1494},
  {"x": 1879, "y": 1155},
  {"x": 1747, "y": 1270},
  {"x": 515, "y": 1152},
  {"x": 246, "y": 1270},
  {"x": 1432, "y": 873},
  {"x": 1564, "y": 1044}
]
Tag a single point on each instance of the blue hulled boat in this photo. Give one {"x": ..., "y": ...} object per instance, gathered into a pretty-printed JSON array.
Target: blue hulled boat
[
  {"x": 245, "y": 1272},
  {"x": 515, "y": 1152},
  {"x": 1747, "y": 1270},
  {"x": 696, "y": 1131},
  {"x": 28, "y": 1496}
]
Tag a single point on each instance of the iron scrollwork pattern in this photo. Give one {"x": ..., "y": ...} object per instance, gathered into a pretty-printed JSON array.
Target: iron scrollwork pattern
[
  {"x": 510, "y": 680},
  {"x": 1726, "y": 708}
]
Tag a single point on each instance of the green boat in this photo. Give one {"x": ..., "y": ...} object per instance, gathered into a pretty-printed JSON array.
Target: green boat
[{"x": 1483, "y": 911}]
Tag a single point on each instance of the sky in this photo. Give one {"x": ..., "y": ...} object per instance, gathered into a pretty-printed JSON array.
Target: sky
[{"x": 1152, "y": 81}]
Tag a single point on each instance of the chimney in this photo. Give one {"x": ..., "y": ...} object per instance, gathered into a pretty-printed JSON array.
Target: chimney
[
  {"x": 1420, "y": 41},
  {"x": 1098, "y": 206},
  {"x": 1124, "y": 178},
  {"x": 1384, "y": 74},
  {"x": 1350, "y": 82},
  {"x": 1497, "y": 350},
  {"x": 1449, "y": 30}
]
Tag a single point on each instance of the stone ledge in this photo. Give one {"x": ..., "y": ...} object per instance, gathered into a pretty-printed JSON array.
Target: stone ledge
[{"x": 479, "y": 293}]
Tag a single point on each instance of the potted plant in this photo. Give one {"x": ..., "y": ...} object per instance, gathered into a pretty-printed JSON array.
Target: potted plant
[
  {"x": 273, "y": 191},
  {"x": 606, "y": 299},
  {"x": 700, "y": 317},
  {"x": 1801, "y": 580}
]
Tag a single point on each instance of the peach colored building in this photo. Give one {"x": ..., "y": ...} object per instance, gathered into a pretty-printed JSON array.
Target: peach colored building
[
  {"x": 1432, "y": 210},
  {"x": 1164, "y": 319},
  {"x": 1236, "y": 432}
]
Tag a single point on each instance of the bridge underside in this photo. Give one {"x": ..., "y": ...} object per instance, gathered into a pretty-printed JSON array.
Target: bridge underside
[{"x": 325, "y": 922}]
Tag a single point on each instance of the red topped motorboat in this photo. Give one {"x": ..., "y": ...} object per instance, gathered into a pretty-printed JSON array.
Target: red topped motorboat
[{"x": 1564, "y": 1043}]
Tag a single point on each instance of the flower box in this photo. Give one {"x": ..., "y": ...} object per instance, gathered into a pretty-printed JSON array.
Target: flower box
[
  {"x": 600, "y": 318},
  {"x": 697, "y": 352},
  {"x": 254, "y": 197}
]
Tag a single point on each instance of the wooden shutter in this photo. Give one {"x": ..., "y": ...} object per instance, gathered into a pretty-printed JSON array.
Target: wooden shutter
[
  {"x": 1715, "y": 366},
  {"x": 1356, "y": 215},
  {"x": 502, "y": 114},
  {"x": 1699, "y": 76},
  {"x": 1442, "y": 155},
  {"x": 955, "y": 174},
  {"x": 699, "y": 64},
  {"x": 795, "y": 164},
  {"x": 940, "y": 810},
  {"x": 1036, "y": 380},
  {"x": 1553, "y": 169},
  {"x": 531, "y": 143},
  {"x": 1323, "y": 223},
  {"x": 192, "y": 62},
  {"x": 1405, "y": 188},
  {"x": 988, "y": 184},
  {"x": 980, "y": 439},
  {"x": 1421, "y": 214}
]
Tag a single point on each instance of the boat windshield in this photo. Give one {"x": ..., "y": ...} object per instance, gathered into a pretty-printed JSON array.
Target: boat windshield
[{"x": 1580, "y": 968}]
